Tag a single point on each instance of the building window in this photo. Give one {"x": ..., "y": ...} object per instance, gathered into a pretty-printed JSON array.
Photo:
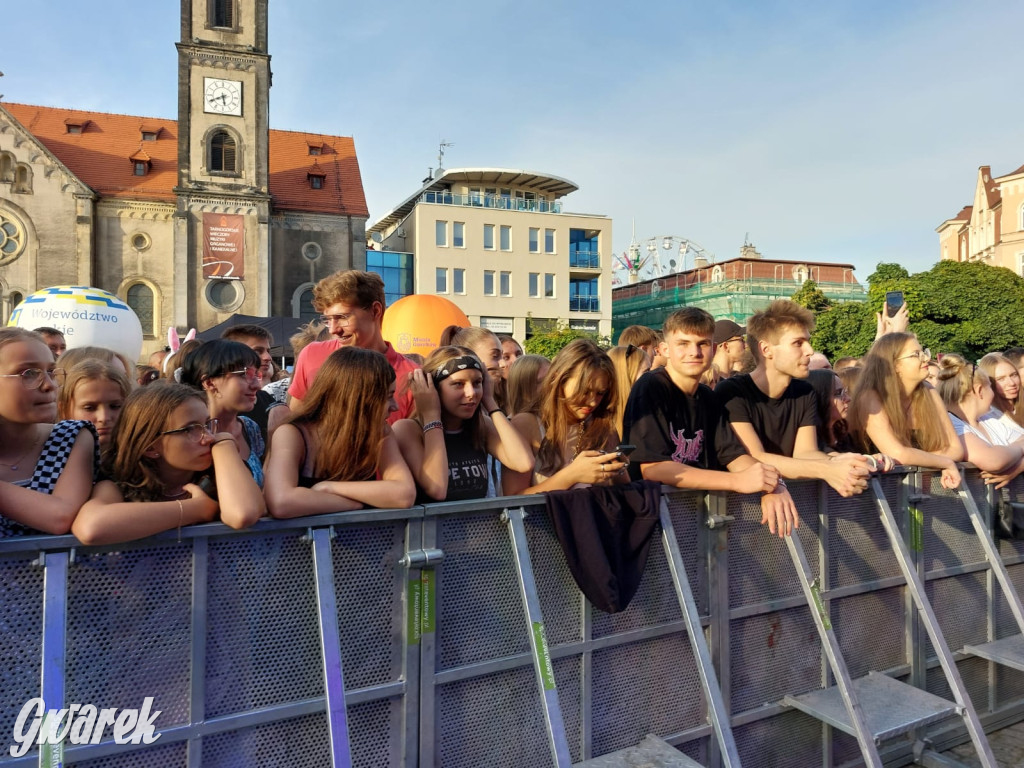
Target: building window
[
  {"x": 223, "y": 13},
  {"x": 488, "y": 282},
  {"x": 140, "y": 168},
  {"x": 75, "y": 128},
  {"x": 306, "y": 311},
  {"x": 22, "y": 179},
  {"x": 1021, "y": 217},
  {"x": 225, "y": 295},
  {"x": 584, "y": 295},
  {"x": 397, "y": 270},
  {"x": 1020, "y": 264},
  {"x": 506, "y": 284},
  {"x": 489, "y": 237},
  {"x": 549, "y": 285},
  {"x": 458, "y": 234},
  {"x": 140, "y": 298},
  {"x": 534, "y": 240},
  {"x": 440, "y": 280},
  {"x": 716, "y": 274},
  {"x": 12, "y": 238},
  {"x": 140, "y": 241},
  {"x": 7, "y": 164},
  {"x": 459, "y": 280},
  {"x": 549, "y": 241},
  {"x": 149, "y": 135},
  {"x": 535, "y": 285},
  {"x": 316, "y": 181},
  {"x": 583, "y": 250},
  {"x": 506, "y": 237},
  {"x": 314, "y": 150},
  {"x": 441, "y": 234},
  {"x": 223, "y": 153}
]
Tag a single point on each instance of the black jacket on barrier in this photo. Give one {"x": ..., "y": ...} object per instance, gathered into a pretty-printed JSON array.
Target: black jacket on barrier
[{"x": 605, "y": 533}]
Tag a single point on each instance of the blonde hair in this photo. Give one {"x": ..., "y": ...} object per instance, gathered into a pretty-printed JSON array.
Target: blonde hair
[
  {"x": 523, "y": 384},
  {"x": 879, "y": 376},
  {"x": 957, "y": 378},
  {"x": 770, "y": 323},
  {"x": 627, "y": 361},
  {"x": 350, "y": 286},
  {"x": 1015, "y": 409},
  {"x": 74, "y": 356},
  {"x": 580, "y": 362},
  {"x": 88, "y": 370},
  {"x": 9, "y": 335}
]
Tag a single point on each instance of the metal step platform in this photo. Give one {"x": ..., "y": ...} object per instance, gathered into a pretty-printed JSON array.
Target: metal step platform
[
  {"x": 652, "y": 752},
  {"x": 1009, "y": 651},
  {"x": 891, "y": 708}
]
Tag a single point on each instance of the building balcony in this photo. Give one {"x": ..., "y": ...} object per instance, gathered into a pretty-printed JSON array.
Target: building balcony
[
  {"x": 584, "y": 303},
  {"x": 584, "y": 259},
  {"x": 499, "y": 202}
]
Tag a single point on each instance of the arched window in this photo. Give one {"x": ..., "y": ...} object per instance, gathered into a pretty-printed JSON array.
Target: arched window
[
  {"x": 140, "y": 299},
  {"x": 22, "y": 179},
  {"x": 6, "y": 166},
  {"x": 223, "y": 153},
  {"x": 223, "y": 12},
  {"x": 1020, "y": 219},
  {"x": 716, "y": 274}
]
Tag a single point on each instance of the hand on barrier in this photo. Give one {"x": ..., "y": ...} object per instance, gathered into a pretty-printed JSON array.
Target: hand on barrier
[
  {"x": 424, "y": 393},
  {"x": 848, "y": 473},
  {"x": 757, "y": 478},
  {"x": 779, "y": 512},
  {"x": 951, "y": 477},
  {"x": 206, "y": 506},
  {"x": 598, "y": 468}
]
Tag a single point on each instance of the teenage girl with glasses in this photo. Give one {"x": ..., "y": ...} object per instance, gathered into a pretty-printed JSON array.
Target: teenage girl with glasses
[
  {"x": 228, "y": 373},
  {"x": 46, "y": 469},
  {"x": 895, "y": 411},
  {"x": 167, "y": 466}
]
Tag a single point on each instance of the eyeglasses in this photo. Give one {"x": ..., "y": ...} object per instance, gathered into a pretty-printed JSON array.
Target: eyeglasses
[
  {"x": 194, "y": 432},
  {"x": 923, "y": 355},
  {"x": 32, "y": 378},
  {"x": 249, "y": 373},
  {"x": 341, "y": 320}
]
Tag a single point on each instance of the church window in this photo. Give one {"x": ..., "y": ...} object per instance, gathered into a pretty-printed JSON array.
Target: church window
[
  {"x": 224, "y": 13},
  {"x": 12, "y": 237},
  {"x": 140, "y": 299},
  {"x": 223, "y": 152},
  {"x": 22, "y": 179},
  {"x": 6, "y": 166}
]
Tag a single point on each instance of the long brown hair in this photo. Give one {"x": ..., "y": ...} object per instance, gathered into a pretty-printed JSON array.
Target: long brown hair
[
  {"x": 1015, "y": 409},
  {"x": 144, "y": 416},
  {"x": 523, "y": 385},
  {"x": 879, "y": 376},
  {"x": 435, "y": 361},
  {"x": 346, "y": 406},
  {"x": 627, "y": 361},
  {"x": 580, "y": 362},
  {"x": 88, "y": 370}
]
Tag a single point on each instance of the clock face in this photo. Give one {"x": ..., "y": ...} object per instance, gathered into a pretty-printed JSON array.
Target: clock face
[{"x": 222, "y": 96}]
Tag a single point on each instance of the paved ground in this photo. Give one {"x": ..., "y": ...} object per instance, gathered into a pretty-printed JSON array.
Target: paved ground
[{"x": 1007, "y": 746}]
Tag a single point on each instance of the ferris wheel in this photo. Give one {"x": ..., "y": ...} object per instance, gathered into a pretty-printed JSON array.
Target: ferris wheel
[{"x": 658, "y": 256}]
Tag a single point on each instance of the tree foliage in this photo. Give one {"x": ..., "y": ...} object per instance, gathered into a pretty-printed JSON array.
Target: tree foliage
[
  {"x": 812, "y": 297},
  {"x": 550, "y": 342},
  {"x": 965, "y": 307}
]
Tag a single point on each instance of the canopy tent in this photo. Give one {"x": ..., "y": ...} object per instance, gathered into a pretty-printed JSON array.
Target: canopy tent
[{"x": 281, "y": 328}]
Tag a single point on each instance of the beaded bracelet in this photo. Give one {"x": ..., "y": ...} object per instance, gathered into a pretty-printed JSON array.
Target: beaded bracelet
[{"x": 432, "y": 425}]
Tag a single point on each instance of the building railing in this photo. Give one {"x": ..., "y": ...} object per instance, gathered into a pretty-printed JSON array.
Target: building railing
[
  {"x": 500, "y": 202},
  {"x": 584, "y": 259},
  {"x": 584, "y": 303},
  {"x": 398, "y": 637}
]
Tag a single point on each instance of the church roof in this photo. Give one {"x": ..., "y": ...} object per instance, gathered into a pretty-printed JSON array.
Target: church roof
[{"x": 100, "y": 156}]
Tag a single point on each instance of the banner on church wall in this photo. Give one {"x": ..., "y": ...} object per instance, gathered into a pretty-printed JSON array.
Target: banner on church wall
[{"x": 223, "y": 246}]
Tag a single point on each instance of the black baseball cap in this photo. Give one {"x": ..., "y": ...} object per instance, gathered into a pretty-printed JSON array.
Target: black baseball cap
[{"x": 727, "y": 329}]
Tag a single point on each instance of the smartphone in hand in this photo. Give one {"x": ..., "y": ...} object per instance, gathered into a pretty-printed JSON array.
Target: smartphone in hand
[{"x": 893, "y": 302}]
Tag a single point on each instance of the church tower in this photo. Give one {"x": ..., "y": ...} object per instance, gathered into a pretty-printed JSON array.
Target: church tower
[{"x": 221, "y": 237}]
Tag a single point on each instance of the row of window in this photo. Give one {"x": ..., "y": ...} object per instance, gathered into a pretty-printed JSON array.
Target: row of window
[
  {"x": 584, "y": 293},
  {"x": 504, "y": 232}
]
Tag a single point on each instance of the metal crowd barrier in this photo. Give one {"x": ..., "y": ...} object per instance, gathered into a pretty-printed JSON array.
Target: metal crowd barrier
[{"x": 399, "y": 638}]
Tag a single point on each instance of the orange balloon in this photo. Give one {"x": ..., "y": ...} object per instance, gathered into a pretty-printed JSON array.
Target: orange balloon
[{"x": 414, "y": 323}]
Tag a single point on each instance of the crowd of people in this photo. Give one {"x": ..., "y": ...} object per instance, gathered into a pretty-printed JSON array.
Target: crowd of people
[{"x": 111, "y": 451}]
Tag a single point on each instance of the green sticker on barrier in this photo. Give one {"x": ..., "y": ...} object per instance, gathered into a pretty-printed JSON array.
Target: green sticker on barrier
[
  {"x": 414, "y": 609},
  {"x": 51, "y": 755},
  {"x": 819, "y": 605},
  {"x": 427, "y": 598},
  {"x": 547, "y": 672},
  {"x": 916, "y": 529}
]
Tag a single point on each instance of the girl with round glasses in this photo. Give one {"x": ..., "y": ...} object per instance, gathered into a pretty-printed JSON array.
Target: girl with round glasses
[
  {"x": 895, "y": 411},
  {"x": 167, "y": 466},
  {"x": 228, "y": 373},
  {"x": 46, "y": 469}
]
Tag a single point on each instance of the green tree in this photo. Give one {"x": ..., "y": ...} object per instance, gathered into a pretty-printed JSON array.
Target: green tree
[
  {"x": 812, "y": 297},
  {"x": 549, "y": 343},
  {"x": 844, "y": 330}
]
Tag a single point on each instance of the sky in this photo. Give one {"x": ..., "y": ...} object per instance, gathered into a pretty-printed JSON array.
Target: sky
[{"x": 839, "y": 131}]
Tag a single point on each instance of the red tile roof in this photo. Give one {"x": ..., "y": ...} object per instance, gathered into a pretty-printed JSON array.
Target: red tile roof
[
  {"x": 965, "y": 213},
  {"x": 99, "y": 156}
]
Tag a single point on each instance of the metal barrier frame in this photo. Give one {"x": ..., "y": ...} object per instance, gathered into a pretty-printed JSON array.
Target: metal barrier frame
[{"x": 419, "y": 618}]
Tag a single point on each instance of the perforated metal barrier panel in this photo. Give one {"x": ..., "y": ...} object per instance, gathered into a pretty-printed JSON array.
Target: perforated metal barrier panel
[{"x": 223, "y": 630}]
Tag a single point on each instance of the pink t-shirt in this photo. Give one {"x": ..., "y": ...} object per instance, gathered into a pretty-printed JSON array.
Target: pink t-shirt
[{"x": 314, "y": 355}]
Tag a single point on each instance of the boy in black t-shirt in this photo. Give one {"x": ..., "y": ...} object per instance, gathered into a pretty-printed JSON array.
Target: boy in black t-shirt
[
  {"x": 773, "y": 411},
  {"x": 680, "y": 430}
]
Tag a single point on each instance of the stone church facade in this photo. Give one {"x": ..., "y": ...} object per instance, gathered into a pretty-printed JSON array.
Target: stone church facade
[{"x": 188, "y": 220}]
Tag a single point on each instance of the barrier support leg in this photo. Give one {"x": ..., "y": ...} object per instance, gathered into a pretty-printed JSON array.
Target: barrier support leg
[
  {"x": 538, "y": 641},
  {"x": 330, "y": 644},
  {"x": 55, "y": 626}
]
